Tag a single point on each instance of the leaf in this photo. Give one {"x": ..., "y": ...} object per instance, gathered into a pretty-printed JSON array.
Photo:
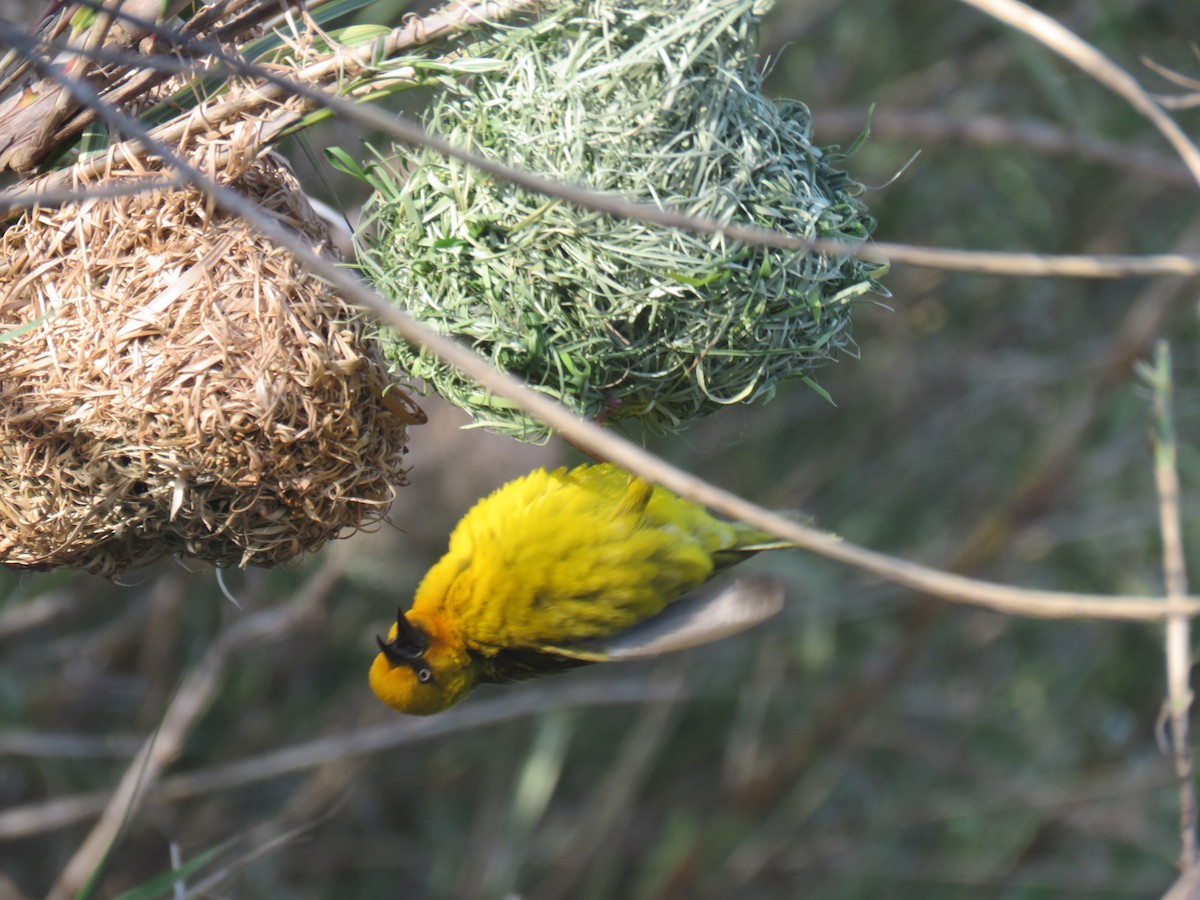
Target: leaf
[
  {"x": 14, "y": 333},
  {"x": 820, "y": 390},
  {"x": 161, "y": 884},
  {"x": 344, "y": 162}
]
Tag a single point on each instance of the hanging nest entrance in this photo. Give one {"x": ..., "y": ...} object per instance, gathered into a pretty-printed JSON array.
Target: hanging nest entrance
[{"x": 178, "y": 385}]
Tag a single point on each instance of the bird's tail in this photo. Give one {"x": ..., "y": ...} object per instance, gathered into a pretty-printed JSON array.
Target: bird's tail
[
  {"x": 770, "y": 542},
  {"x": 754, "y": 542},
  {"x": 751, "y": 541}
]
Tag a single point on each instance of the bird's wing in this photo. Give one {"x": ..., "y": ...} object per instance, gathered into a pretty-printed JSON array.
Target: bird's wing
[
  {"x": 521, "y": 663},
  {"x": 707, "y": 614}
]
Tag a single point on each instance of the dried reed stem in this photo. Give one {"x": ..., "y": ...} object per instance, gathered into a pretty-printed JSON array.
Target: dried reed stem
[{"x": 1177, "y": 638}]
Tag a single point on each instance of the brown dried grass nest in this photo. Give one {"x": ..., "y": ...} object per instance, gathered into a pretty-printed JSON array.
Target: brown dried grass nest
[{"x": 188, "y": 389}]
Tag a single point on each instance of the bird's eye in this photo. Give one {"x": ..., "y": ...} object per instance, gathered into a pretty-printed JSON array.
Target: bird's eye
[{"x": 424, "y": 676}]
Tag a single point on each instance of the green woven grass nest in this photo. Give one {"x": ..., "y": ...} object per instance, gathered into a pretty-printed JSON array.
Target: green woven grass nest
[{"x": 658, "y": 101}]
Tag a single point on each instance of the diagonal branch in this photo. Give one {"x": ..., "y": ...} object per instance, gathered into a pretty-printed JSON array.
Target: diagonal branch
[
  {"x": 605, "y": 444},
  {"x": 1073, "y": 48},
  {"x": 298, "y": 95}
]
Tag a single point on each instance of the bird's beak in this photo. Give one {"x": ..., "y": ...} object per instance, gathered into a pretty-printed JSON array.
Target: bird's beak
[
  {"x": 408, "y": 633},
  {"x": 407, "y": 646},
  {"x": 390, "y": 651}
]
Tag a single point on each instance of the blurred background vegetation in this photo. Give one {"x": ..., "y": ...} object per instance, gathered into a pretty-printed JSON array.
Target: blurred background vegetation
[{"x": 869, "y": 742}]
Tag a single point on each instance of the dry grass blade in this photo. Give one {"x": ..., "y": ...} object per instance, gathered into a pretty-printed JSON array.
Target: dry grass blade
[{"x": 1190, "y": 100}]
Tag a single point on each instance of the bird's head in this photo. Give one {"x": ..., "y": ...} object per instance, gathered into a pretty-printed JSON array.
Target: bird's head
[{"x": 419, "y": 671}]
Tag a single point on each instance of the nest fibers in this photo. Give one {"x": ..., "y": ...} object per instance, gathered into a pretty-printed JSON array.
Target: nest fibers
[
  {"x": 183, "y": 387},
  {"x": 657, "y": 100}
]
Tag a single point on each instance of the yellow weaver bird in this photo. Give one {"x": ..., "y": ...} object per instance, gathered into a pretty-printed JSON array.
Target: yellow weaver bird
[{"x": 557, "y": 569}]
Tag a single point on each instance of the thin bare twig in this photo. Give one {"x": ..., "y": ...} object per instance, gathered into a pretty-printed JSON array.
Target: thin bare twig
[
  {"x": 195, "y": 694},
  {"x": 606, "y": 444},
  {"x": 61, "y": 196},
  {"x": 1018, "y": 265},
  {"x": 1000, "y": 131},
  {"x": 29, "y": 614},
  {"x": 60, "y": 812},
  {"x": 1177, "y": 638},
  {"x": 1187, "y": 887},
  {"x": 1070, "y": 46},
  {"x": 1024, "y": 265},
  {"x": 72, "y": 746},
  {"x": 1190, "y": 100},
  {"x": 832, "y": 724}
]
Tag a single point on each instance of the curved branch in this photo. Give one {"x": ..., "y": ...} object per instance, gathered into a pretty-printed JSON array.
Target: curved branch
[
  {"x": 1070, "y": 46},
  {"x": 298, "y": 96},
  {"x": 602, "y": 443}
]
